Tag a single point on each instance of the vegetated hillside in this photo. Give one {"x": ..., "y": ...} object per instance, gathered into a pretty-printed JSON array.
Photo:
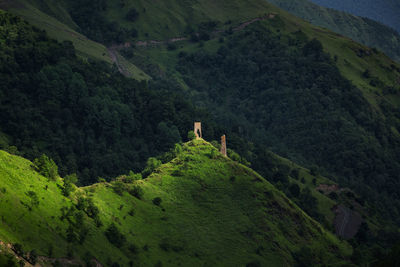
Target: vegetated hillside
[
  {"x": 85, "y": 115},
  {"x": 275, "y": 86},
  {"x": 360, "y": 29},
  {"x": 368, "y": 112},
  {"x": 386, "y": 11},
  {"x": 200, "y": 208},
  {"x": 52, "y": 17}
]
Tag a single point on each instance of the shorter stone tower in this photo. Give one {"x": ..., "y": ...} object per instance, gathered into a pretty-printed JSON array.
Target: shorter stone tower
[
  {"x": 223, "y": 145},
  {"x": 197, "y": 130}
]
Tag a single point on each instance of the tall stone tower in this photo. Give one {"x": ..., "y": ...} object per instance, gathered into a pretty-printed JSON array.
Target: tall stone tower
[
  {"x": 223, "y": 145},
  {"x": 197, "y": 130}
]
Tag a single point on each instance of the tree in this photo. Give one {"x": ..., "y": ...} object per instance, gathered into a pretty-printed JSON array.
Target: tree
[
  {"x": 132, "y": 14},
  {"x": 119, "y": 188},
  {"x": 191, "y": 135},
  {"x": 157, "y": 201},
  {"x": 115, "y": 236},
  {"x": 46, "y": 167},
  {"x": 137, "y": 192},
  {"x": 294, "y": 190},
  {"x": 151, "y": 165},
  {"x": 69, "y": 182}
]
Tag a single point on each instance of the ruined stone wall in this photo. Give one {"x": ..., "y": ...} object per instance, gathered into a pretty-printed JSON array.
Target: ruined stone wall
[
  {"x": 223, "y": 145},
  {"x": 197, "y": 130}
]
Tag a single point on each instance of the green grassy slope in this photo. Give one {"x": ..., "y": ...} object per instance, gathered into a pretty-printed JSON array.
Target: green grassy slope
[{"x": 213, "y": 211}]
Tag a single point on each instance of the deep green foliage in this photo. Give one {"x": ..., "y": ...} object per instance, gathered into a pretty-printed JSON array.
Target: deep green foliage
[
  {"x": 132, "y": 14},
  {"x": 157, "y": 201},
  {"x": 191, "y": 135},
  {"x": 114, "y": 236},
  {"x": 7, "y": 259},
  {"x": 88, "y": 15},
  {"x": 137, "y": 192},
  {"x": 119, "y": 187},
  {"x": 285, "y": 93},
  {"x": 88, "y": 118},
  {"x": 69, "y": 182},
  {"x": 46, "y": 167},
  {"x": 151, "y": 165}
]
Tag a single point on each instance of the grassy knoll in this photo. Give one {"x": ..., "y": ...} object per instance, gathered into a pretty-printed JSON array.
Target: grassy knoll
[{"x": 210, "y": 210}]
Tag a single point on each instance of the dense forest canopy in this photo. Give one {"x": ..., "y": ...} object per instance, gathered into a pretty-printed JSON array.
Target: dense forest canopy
[
  {"x": 285, "y": 93},
  {"x": 85, "y": 115}
]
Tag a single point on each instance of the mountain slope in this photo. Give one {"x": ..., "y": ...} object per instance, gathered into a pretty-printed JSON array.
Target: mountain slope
[
  {"x": 385, "y": 11},
  {"x": 362, "y": 30},
  {"x": 60, "y": 26},
  {"x": 318, "y": 117},
  {"x": 211, "y": 211}
]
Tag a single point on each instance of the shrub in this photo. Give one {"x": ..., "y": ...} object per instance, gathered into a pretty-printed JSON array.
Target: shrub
[
  {"x": 216, "y": 144},
  {"x": 233, "y": 155},
  {"x": 171, "y": 46},
  {"x": 177, "y": 149},
  {"x": 34, "y": 199},
  {"x": 136, "y": 191},
  {"x": 295, "y": 173},
  {"x": 131, "y": 212},
  {"x": 114, "y": 236},
  {"x": 119, "y": 188},
  {"x": 333, "y": 195},
  {"x": 133, "y": 249},
  {"x": 92, "y": 210},
  {"x": 17, "y": 247},
  {"x": 68, "y": 187},
  {"x": 157, "y": 201},
  {"x": 294, "y": 190},
  {"x": 7, "y": 260},
  {"x": 151, "y": 165},
  {"x": 132, "y": 15},
  {"x": 191, "y": 135},
  {"x": 46, "y": 167},
  {"x": 133, "y": 177},
  {"x": 314, "y": 170},
  {"x": 213, "y": 154}
]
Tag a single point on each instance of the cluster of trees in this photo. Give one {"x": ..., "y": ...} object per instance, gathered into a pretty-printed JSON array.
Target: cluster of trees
[
  {"x": 284, "y": 93},
  {"x": 90, "y": 16},
  {"x": 85, "y": 116}
]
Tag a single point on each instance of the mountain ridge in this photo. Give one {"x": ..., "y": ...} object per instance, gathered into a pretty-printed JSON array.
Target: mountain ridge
[{"x": 192, "y": 189}]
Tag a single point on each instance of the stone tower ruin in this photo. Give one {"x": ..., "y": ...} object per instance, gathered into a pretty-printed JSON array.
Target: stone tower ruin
[
  {"x": 223, "y": 145},
  {"x": 197, "y": 130}
]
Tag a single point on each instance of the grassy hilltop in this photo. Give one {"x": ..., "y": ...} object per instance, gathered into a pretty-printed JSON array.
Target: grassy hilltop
[{"x": 199, "y": 208}]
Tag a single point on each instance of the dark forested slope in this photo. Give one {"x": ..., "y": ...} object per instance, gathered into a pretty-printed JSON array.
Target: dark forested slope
[
  {"x": 385, "y": 11},
  {"x": 85, "y": 115},
  {"x": 363, "y": 30},
  {"x": 283, "y": 92}
]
